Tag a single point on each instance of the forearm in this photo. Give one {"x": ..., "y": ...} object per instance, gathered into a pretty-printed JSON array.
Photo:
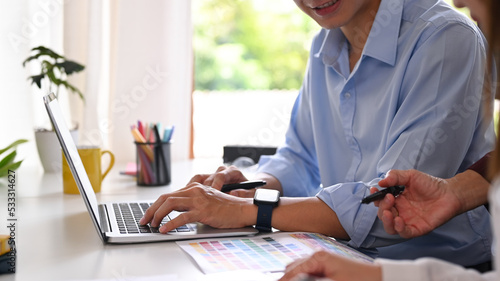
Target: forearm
[
  {"x": 301, "y": 214},
  {"x": 271, "y": 182},
  {"x": 308, "y": 214},
  {"x": 470, "y": 188}
]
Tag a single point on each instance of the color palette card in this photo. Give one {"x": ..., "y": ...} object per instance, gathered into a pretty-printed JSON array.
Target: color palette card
[{"x": 266, "y": 253}]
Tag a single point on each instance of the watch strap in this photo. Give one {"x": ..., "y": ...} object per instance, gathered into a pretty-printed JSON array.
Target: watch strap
[{"x": 264, "y": 217}]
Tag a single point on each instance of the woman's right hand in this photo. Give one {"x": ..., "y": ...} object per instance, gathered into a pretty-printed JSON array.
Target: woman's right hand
[{"x": 426, "y": 203}]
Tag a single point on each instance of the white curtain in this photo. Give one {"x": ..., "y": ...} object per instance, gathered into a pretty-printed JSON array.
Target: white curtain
[
  {"x": 152, "y": 71},
  {"x": 138, "y": 58}
]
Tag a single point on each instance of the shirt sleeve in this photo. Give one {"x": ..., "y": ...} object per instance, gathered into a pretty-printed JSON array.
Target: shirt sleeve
[
  {"x": 439, "y": 129},
  {"x": 295, "y": 163},
  {"x": 429, "y": 269}
]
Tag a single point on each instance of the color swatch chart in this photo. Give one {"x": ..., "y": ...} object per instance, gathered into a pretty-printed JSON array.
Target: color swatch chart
[
  {"x": 318, "y": 241},
  {"x": 267, "y": 253}
]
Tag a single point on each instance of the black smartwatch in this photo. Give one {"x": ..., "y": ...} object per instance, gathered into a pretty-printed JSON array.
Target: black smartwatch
[{"x": 266, "y": 200}]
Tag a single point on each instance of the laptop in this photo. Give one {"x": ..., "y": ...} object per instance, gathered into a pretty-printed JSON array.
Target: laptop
[{"x": 117, "y": 222}]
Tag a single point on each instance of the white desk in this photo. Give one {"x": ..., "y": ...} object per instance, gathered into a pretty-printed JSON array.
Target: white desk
[{"x": 56, "y": 240}]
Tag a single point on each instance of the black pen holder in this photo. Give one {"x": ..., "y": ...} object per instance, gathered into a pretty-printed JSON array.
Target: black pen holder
[{"x": 153, "y": 163}]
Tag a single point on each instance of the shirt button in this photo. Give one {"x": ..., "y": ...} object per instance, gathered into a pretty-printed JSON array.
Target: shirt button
[{"x": 347, "y": 95}]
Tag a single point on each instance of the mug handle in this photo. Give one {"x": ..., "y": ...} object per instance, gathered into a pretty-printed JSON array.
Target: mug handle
[{"x": 111, "y": 162}]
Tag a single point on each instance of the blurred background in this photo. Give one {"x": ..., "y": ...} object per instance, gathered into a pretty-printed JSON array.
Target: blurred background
[{"x": 223, "y": 72}]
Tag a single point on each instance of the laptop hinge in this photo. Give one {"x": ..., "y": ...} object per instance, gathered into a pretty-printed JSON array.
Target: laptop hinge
[{"x": 103, "y": 218}]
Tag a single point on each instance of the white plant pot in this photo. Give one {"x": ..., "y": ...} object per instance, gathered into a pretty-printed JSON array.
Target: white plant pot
[{"x": 49, "y": 149}]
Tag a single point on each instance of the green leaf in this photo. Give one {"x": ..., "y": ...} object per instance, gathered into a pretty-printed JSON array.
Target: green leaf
[
  {"x": 30, "y": 58},
  {"x": 37, "y": 79},
  {"x": 47, "y": 52},
  {"x": 70, "y": 66},
  {"x": 46, "y": 66},
  {"x": 73, "y": 89},
  {"x": 7, "y": 163},
  {"x": 55, "y": 68},
  {"x": 14, "y": 144},
  {"x": 42, "y": 51},
  {"x": 52, "y": 76},
  {"x": 8, "y": 159},
  {"x": 5, "y": 170}
]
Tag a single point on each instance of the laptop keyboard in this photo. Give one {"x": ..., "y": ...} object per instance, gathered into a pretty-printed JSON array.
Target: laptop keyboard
[{"x": 128, "y": 216}]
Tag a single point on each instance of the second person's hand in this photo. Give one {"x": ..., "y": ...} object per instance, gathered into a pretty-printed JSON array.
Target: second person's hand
[
  {"x": 426, "y": 203},
  {"x": 324, "y": 264}
]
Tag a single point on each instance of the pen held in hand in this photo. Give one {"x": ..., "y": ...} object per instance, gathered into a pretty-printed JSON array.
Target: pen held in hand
[
  {"x": 243, "y": 185},
  {"x": 394, "y": 190}
]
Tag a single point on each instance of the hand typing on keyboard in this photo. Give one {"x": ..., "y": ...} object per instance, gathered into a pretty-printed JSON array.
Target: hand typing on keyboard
[
  {"x": 200, "y": 203},
  {"x": 128, "y": 216}
]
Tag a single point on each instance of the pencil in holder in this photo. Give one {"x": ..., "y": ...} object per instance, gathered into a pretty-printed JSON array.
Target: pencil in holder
[{"x": 153, "y": 163}]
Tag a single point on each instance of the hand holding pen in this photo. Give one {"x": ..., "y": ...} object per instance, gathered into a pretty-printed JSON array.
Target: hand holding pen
[
  {"x": 427, "y": 203},
  {"x": 243, "y": 185},
  {"x": 379, "y": 195}
]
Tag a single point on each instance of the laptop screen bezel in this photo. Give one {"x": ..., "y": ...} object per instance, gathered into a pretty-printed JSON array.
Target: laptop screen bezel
[{"x": 74, "y": 161}]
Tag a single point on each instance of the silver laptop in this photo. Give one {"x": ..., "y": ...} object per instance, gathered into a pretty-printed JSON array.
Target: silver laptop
[{"x": 117, "y": 222}]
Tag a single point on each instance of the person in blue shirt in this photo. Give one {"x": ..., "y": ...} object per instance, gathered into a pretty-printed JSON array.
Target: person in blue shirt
[
  {"x": 390, "y": 84},
  {"x": 426, "y": 203}
]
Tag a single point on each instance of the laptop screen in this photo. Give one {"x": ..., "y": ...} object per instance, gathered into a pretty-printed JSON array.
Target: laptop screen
[{"x": 72, "y": 156}]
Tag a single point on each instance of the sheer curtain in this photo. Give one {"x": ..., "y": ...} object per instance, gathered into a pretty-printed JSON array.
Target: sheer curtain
[
  {"x": 138, "y": 58},
  {"x": 24, "y": 24},
  {"x": 152, "y": 71}
]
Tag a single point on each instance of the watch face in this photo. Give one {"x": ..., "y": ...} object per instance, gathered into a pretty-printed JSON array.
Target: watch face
[{"x": 267, "y": 195}]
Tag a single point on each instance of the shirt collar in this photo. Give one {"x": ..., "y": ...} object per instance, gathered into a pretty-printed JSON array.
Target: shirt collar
[{"x": 382, "y": 41}]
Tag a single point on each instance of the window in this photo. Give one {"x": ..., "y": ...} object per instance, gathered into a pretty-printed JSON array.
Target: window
[{"x": 250, "y": 57}]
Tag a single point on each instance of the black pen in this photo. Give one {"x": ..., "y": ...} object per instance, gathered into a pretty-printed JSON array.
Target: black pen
[
  {"x": 162, "y": 157},
  {"x": 243, "y": 185},
  {"x": 394, "y": 190}
]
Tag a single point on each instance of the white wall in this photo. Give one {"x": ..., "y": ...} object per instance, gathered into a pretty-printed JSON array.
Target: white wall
[
  {"x": 24, "y": 24},
  {"x": 138, "y": 58}
]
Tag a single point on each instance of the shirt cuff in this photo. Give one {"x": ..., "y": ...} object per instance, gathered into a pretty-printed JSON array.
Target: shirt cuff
[
  {"x": 393, "y": 270},
  {"x": 357, "y": 219}
]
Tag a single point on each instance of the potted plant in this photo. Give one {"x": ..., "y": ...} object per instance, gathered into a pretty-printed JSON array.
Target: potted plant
[
  {"x": 54, "y": 69},
  {"x": 8, "y": 162}
]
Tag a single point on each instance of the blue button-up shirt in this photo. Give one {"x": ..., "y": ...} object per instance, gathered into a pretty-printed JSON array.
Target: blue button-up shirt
[{"x": 413, "y": 100}]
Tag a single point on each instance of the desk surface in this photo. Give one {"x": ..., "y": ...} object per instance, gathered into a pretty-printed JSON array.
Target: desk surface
[{"x": 56, "y": 240}]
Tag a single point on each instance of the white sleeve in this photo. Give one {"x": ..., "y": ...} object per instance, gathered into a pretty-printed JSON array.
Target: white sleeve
[{"x": 429, "y": 269}]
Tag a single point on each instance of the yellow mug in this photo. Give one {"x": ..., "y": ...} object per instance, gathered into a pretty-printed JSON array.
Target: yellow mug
[{"x": 91, "y": 157}]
